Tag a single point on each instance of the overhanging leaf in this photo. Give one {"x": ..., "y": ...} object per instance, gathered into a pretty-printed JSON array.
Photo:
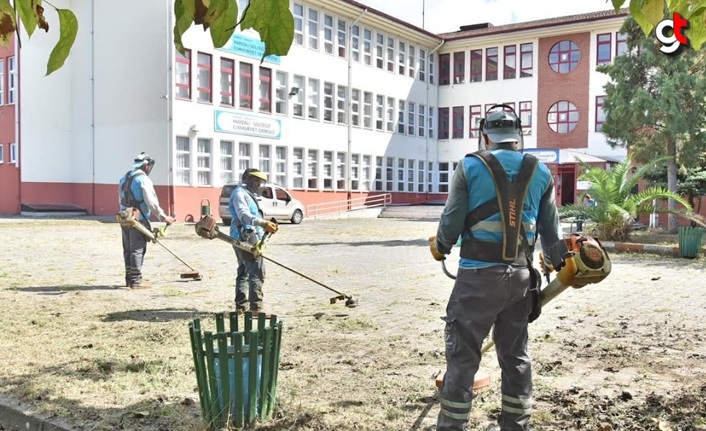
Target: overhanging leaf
[
  {"x": 647, "y": 13},
  {"x": 184, "y": 14},
  {"x": 7, "y": 23},
  {"x": 697, "y": 28},
  {"x": 222, "y": 26},
  {"x": 273, "y": 20},
  {"x": 39, "y": 14},
  {"x": 25, "y": 10},
  {"x": 617, "y": 4},
  {"x": 68, "y": 28}
]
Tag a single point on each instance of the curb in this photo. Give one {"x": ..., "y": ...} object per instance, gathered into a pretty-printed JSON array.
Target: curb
[
  {"x": 17, "y": 418},
  {"x": 631, "y": 247}
]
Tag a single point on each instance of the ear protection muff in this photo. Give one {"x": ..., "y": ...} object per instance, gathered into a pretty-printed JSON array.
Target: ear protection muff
[{"x": 506, "y": 107}]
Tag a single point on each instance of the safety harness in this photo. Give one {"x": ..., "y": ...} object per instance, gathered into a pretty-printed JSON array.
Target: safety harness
[{"x": 127, "y": 199}]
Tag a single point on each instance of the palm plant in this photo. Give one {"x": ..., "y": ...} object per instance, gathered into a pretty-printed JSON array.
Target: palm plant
[{"x": 616, "y": 205}]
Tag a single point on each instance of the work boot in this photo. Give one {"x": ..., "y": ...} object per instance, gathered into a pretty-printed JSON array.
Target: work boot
[{"x": 140, "y": 285}]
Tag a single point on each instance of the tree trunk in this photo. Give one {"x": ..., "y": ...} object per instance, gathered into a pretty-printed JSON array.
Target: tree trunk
[{"x": 671, "y": 182}]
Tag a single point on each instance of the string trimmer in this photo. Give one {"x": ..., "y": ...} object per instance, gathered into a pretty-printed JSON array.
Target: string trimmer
[
  {"x": 208, "y": 228},
  {"x": 129, "y": 218}
]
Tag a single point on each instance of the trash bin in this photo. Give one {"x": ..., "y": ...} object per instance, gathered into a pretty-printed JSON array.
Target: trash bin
[
  {"x": 690, "y": 241},
  {"x": 236, "y": 369}
]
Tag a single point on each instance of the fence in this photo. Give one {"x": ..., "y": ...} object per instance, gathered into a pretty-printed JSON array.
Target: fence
[{"x": 337, "y": 207}]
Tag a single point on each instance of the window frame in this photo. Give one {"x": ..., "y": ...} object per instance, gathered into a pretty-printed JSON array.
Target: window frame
[
  {"x": 510, "y": 56},
  {"x": 559, "y": 49},
  {"x": 476, "y": 65},
  {"x": 598, "y": 124},
  {"x": 555, "y": 125},
  {"x": 185, "y": 60},
  {"x": 490, "y": 54},
  {"x": 526, "y": 125},
  {"x": 457, "y": 126},
  {"x": 227, "y": 91},
  {"x": 224, "y": 159},
  {"x": 185, "y": 155},
  {"x": 445, "y": 69},
  {"x": 207, "y": 157},
  {"x": 602, "y": 43},
  {"x": 621, "y": 41},
  {"x": 298, "y": 14},
  {"x": 208, "y": 68},
  {"x": 265, "y": 90},
  {"x": 526, "y": 62},
  {"x": 459, "y": 67},
  {"x": 474, "y": 111},
  {"x": 312, "y": 29},
  {"x": 443, "y": 127},
  {"x": 245, "y": 87}
]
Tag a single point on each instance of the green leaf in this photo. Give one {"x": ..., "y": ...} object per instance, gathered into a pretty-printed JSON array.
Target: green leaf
[
  {"x": 647, "y": 13},
  {"x": 26, "y": 12},
  {"x": 697, "y": 28},
  {"x": 7, "y": 23},
  {"x": 68, "y": 28},
  {"x": 617, "y": 4},
  {"x": 184, "y": 13},
  {"x": 275, "y": 23},
  {"x": 223, "y": 25}
]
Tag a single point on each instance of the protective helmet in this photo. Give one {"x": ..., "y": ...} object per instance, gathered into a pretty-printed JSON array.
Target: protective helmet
[
  {"x": 143, "y": 159},
  {"x": 501, "y": 127},
  {"x": 255, "y": 173}
]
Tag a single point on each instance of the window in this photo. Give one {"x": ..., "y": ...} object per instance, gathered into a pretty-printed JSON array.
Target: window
[
  {"x": 443, "y": 177},
  {"x": 390, "y": 115},
  {"x": 420, "y": 176},
  {"x": 621, "y": 44},
  {"x": 389, "y": 166},
  {"x": 402, "y": 58},
  {"x": 526, "y": 60},
  {"x": 355, "y": 171},
  {"x": 432, "y": 68},
  {"x": 365, "y": 185},
  {"x": 265, "y": 89},
  {"x": 400, "y": 116},
  {"x": 444, "y": 72},
  {"x": 563, "y": 117},
  {"x": 2, "y": 82},
  {"x": 341, "y": 96},
  {"x": 227, "y": 81},
  {"x": 312, "y": 168},
  {"x": 458, "y": 122},
  {"x": 328, "y": 34},
  {"x": 379, "y": 112},
  {"x": 313, "y": 29},
  {"x": 12, "y": 82},
  {"x": 243, "y": 156},
  {"x": 390, "y": 54},
  {"x": 203, "y": 162},
  {"x": 600, "y": 113},
  {"x": 422, "y": 120},
  {"x": 430, "y": 121},
  {"x": 264, "y": 158},
  {"x": 430, "y": 176},
  {"x": 443, "y": 123},
  {"x": 491, "y": 64},
  {"x": 327, "y": 171},
  {"x": 603, "y": 48},
  {"x": 368, "y": 47},
  {"x": 183, "y": 161},
  {"x": 226, "y": 159},
  {"x": 355, "y": 107},
  {"x": 203, "y": 79},
  {"x": 410, "y": 175},
  {"x": 183, "y": 75},
  {"x": 526, "y": 117},
  {"x": 298, "y": 168},
  {"x": 412, "y": 60},
  {"x": 355, "y": 43},
  {"x": 298, "y": 99},
  {"x": 400, "y": 175},
  {"x": 341, "y": 171},
  {"x": 2, "y": 154},
  {"x": 511, "y": 105},
  {"x": 422, "y": 65},
  {"x": 328, "y": 102},
  {"x": 378, "y": 174},
  {"x": 459, "y": 67},
  {"x": 367, "y": 110},
  {"x": 476, "y": 65},
  {"x": 564, "y": 56},
  {"x": 313, "y": 99},
  {"x": 342, "y": 38},
  {"x": 474, "y": 120},
  {"x": 281, "y": 166},
  {"x": 245, "y": 96},
  {"x": 379, "y": 50},
  {"x": 282, "y": 93},
  {"x": 411, "y": 118},
  {"x": 509, "y": 62},
  {"x": 298, "y": 12}
]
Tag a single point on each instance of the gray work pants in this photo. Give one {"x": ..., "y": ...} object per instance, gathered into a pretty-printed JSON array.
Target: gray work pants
[
  {"x": 481, "y": 298},
  {"x": 249, "y": 280},
  {"x": 134, "y": 249}
]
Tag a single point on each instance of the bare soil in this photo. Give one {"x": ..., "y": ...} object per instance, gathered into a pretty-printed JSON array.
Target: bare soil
[{"x": 77, "y": 346}]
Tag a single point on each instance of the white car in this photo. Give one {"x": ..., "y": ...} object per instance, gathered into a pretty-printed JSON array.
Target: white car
[{"x": 274, "y": 201}]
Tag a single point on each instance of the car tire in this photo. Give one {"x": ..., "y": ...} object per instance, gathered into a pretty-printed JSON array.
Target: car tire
[
  {"x": 297, "y": 217},
  {"x": 226, "y": 222}
]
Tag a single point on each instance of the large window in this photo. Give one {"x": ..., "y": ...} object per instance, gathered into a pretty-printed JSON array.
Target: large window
[
  {"x": 400, "y": 175},
  {"x": 183, "y": 160},
  {"x": 443, "y": 177},
  {"x": 603, "y": 50},
  {"x": 312, "y": 168},
  {"x": 328, "y": 34},
  {"x": 203, "y": 81},
  {"x": 355, "y": 43},
  {"x": 298, "y": 99},
  {"x": 422, "y": 121},
  {"x": 265, "y": 89},
  {"x": 457, "y": 122},
  {"x": 526, "y": 117},
  {"x": 389, "y": 174},
  {"x": 298, "y": 12},
  {"x": 313, "y": 99},
  {"x": 444, "y": 69},
  {"x": 378, "y": 174},
  {"x": 443, "y": 123},
  {"x": 227, "y": 163},
  {"x": 203, "y": 162},
  {"x": 491, "y": 64},
  {"x": 342, "y": 32},
  {"x": 600, "y": 113},
  {"x": 327, "y": 170},
  {"x": 510, "y": 62},
  {"x": 400, "y": 116},
  {"x": 244, "y": 155},
  {"x": 379, "y": 51},
  {"x": 422, "y": 65},
  {"x": 367, "y": 110},
  {"x": 379, "y": 112},
  {"x": 390, "y": 115},
  {"x": 411, "y": 114},
  {"x": 264, "y": 158},
  {"x": 14, "y": 154},
  {"x": 355, "y": 107},
  {"x": 367, "y": 47},
  {"x": 183, "y": 75},
  {"x": 227, "y": 81},
  {"x": 459, "y": 67},
  {"x": 390, "y": 54},
  {"x": 2, "y": 84},
  {"x": 341, "y": 170},
  {"x": 313, "y": 30},
  {"x": 412, "y": 61},
  {"x": 476, "y": 65},
  {"x": 245, "y": 95},
  {"x": 621, "y": 44},
  {"x": 564, "y": 56},
  {"x": 298, "y": 168},
  {"x": 402, "y": 58},
  {"x": 282, "y": 93},
  {"x": 474, "y": 120},
  {"x": 563, "y": 117},
  {"x": 328, "y": 102},
  {"x": 432, "y": 68},
  {"x": 11, "y": 81},
  {"x": 430, "y": 121},
  {"x": 365, "y": 180},
  {"x": 526, "y": 60},
  {"x": 281, "y": 166},
  {"x": 341, "y": 96}
]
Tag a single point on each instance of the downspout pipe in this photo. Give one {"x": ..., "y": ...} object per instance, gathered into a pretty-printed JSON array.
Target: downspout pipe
[
  {"x": 168, "y": 96},
  {"x": 93, "y": 109},
  {"x": 426, "y": 151},
  {"x": 349, "y": 90},
  {"x": 18, "y": 122}
]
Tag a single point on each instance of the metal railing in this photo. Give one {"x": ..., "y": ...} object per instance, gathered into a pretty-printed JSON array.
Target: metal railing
[{"x": 337, "y": 207}]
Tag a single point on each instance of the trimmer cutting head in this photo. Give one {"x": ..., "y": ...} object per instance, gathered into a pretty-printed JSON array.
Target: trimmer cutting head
[
  {"x": 191, "y": 275},
  {"x": 350, "y": 301}
]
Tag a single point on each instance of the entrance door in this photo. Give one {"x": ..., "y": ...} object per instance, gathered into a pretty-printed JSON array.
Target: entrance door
[{"x": 567, "y": 178}]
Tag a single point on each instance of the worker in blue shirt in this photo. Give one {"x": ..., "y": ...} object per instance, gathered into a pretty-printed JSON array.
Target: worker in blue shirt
[
  {"x": 248, "y": 226},
  {"x": 499, "y": 202}
]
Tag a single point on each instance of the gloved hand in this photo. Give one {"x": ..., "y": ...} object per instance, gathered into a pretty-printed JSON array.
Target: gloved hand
[
  {"x": 546, "y": 267},
  {"x": 269, "y": 226},
  {"x": 434, "y": 251},
  {"x": 169, "y": 220}
]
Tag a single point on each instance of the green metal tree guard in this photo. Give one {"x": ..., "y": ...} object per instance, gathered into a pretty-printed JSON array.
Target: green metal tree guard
[
  {"x": 690, "y": 241},
  {"x": 248, "y": 357}
]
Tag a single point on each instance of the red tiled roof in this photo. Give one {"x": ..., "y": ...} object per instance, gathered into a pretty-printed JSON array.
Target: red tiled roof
[{"x": 529, "y": 25}]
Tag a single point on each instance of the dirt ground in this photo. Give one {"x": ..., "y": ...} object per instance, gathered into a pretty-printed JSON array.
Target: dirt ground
[{"x": 625, "y": 354}]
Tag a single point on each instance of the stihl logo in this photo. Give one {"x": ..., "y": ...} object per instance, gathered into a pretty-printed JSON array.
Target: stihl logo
[
  {"x": 670, "y": 32},
  {"x": 513, "y": 213}
]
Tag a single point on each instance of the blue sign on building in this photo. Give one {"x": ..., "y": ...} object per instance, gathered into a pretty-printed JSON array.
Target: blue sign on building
[{"x": 248, "y": 47}]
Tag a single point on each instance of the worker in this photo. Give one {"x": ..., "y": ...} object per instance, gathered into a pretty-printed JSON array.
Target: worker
[
  {"x": 135, "y": 190},
  {"x": 499, "y": 201},
  {"x": 248, "y": 226}
]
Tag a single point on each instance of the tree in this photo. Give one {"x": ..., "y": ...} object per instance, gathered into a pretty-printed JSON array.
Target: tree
[
  {"x": 654, "y": 105},
  {"x": 616, "y": 205},
  {"x": 691, "y": 182}
]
